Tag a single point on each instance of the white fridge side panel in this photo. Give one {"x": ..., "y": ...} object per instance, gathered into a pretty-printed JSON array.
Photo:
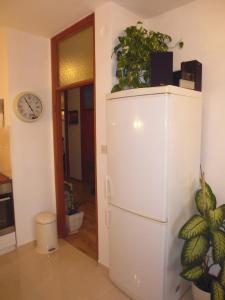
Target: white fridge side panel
[
  {"x": 137, "y": 253},
  {"x": 136, "y": 140},
  {"x": 184, "y": 142}
]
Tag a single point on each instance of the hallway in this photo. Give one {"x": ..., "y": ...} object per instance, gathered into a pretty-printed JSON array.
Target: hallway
[{"x": 86, "y": 239}]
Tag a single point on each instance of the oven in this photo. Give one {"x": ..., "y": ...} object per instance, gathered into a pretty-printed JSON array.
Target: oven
[{"x": 6, "y": 209}]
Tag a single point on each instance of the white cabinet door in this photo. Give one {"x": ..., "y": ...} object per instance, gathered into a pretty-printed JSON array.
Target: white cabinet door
[
  {"x": 137, "y": 254},
  {"x": 136, "y": 139}
]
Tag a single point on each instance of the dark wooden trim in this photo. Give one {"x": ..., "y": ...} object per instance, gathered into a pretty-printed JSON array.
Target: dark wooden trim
[
  {"x": 82, "y": 24},
  {"x": 57, "y": 127},
  {"x": 57, "y": 124},
  {"x": 59, "y": 177},
  {"x": 74, "y": 85},
  {"x": 95, "y": 146}
]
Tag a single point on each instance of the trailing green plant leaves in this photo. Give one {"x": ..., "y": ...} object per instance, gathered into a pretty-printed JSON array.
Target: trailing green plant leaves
[
  {"x": 217, "y": 291},
  {"x": 216, "y": 217},
  {"x": 218, "y": 246},
  {"x": 193, "y": 273},
  {"x": 194, "y": 250},
  {"x": 116, "y": 88},
  {"x": 133, "y": 53},
  {"x": 205, "y": 199},
  {"x": 196, "y": 225}
]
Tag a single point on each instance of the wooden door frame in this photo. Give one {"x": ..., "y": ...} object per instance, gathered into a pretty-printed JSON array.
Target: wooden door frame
[{"x": 57, "y": 126}]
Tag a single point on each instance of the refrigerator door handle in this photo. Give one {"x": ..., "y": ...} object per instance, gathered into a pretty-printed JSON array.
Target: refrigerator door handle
[{"x": 107, "y": 188}]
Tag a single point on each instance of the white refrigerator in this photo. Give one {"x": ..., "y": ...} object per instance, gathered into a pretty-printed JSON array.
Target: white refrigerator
[{"x": 153, "y": 150}]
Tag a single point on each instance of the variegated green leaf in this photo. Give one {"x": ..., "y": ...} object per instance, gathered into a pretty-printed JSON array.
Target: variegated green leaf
[
  {"x": 223, "y": 207},
  {"x": 222, "y": 275},
  {"x": 196, "y": 225},
  {"x": 216, "y": 216},
  {"x": 217, "y": 291},
  {"x": 194, "y": 250},
  {"x": 205, "y": 199},
  {"x": 218, "y": 246},
  {"x": 193, "y": 273}
]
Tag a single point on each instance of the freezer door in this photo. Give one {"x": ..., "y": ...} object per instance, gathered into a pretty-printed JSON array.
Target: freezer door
[
  {"x": 137, "y": 253},
  {"x": 136, "y": 139}
]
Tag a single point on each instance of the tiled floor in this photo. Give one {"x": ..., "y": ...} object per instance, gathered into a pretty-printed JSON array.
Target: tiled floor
[{"x": 67, "y": 274}]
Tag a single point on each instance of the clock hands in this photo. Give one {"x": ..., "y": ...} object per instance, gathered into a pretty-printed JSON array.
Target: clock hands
[{"x": 30, "y": 107}]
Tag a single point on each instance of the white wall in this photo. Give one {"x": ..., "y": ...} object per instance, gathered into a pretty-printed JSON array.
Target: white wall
[
  {"x": 4, "y": 73},
  {"x": 201, "y": 25},
  {"x": 74, "y": 136},
  {"x": 5, "y": 162},
  {"x": 110, "y": 20},
  {"x": 31, "y": 143}
]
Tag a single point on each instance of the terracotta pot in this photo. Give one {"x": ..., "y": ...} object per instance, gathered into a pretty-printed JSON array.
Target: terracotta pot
[{"x": 199, "y": 294}]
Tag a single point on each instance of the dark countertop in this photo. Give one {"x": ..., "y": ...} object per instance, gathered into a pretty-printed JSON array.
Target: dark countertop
[{"x": 4, "y": 179}]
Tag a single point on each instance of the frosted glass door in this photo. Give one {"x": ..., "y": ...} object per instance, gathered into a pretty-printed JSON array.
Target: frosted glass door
[{"x": 76, "y": 57}]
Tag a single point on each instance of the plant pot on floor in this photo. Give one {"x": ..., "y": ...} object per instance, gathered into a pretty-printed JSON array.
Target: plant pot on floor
[
  {"x": 199, "y": 294},
  {"x": 74, "y": 222}
]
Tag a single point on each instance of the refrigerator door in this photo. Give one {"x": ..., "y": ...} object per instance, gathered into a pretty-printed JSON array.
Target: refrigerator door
[
  {"x": 136, "y": 139},
  {"x": 137, "y": 253}
]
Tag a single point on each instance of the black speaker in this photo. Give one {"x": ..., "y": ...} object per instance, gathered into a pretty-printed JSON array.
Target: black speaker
[
  {"x": 192, "y": 70},
  {"x": 161, "y": 68},
  {"x": 176, "y": 78}
]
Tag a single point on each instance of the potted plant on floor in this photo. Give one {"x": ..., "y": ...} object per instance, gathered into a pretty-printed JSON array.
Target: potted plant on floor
[
  {"x": 203, "y": 253},
  {"x": 74, "y": 217},
  {"x": 133, "y": 53}
]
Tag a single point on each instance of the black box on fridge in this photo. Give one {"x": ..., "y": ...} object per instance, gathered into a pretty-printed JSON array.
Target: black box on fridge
[
  {"x": 192, "y": 70},
  {"x": 161, "y": 68}
]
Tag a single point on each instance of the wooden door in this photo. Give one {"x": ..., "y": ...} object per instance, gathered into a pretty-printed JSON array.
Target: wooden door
[
  {"x": 61, "y": 84},
  {"x": 87, "y": 135}
]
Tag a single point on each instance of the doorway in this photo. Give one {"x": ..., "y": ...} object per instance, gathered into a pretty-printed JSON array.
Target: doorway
[{"x": 73, "y": 86}]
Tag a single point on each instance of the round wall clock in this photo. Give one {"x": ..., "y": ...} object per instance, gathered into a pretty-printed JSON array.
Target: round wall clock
[{"x": 28, "y": 106}]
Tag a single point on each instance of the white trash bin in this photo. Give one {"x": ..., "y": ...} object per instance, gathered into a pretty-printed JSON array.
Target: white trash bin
[{"x": 46, "y": 232}]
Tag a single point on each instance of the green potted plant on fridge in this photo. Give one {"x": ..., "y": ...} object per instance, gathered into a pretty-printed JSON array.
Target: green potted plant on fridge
[{"x": 133, "y": 54}]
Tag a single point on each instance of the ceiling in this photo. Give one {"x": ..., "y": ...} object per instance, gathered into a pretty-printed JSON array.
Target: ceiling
[{"x": 48, "y": 17}]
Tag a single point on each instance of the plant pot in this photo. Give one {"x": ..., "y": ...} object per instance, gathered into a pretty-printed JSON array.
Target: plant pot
[
  {"x": 199, "y": 294},
  {"x": 74, "y": 222}
]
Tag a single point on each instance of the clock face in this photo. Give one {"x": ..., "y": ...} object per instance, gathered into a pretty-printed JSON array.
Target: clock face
[{"x": 28, "y": 107}]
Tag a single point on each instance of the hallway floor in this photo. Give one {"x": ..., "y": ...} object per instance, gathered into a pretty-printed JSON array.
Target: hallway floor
[
  {"x": 67, "y": 274},
  {"x": 86, "y": 239}
]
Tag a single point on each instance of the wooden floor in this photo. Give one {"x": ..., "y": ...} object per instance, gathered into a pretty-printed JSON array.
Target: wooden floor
[{"x": 86, "y": 239}]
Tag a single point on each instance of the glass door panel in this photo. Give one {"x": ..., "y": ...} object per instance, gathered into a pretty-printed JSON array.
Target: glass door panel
[{"x": 76, "y": 57}]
